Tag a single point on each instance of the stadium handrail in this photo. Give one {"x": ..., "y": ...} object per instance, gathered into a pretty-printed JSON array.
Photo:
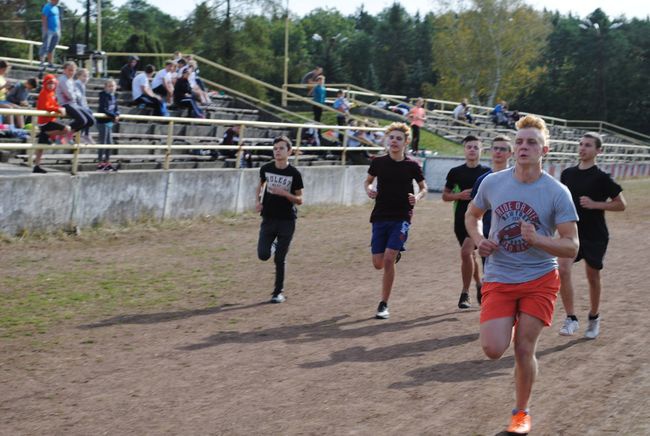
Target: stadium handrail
[
  {"x": 169, "y": 146},
  {"x": 31, "y": 45}
]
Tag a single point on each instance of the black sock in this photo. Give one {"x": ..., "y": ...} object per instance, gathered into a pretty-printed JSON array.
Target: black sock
[
  {"x": 593, "y": 317},
  {"x": 573, "y": 317}
]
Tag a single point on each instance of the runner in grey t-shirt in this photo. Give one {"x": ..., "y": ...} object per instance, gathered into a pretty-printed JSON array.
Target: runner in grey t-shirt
[
  {"x": 521, "y": 279},
  {"x": 545, "y": 203}
]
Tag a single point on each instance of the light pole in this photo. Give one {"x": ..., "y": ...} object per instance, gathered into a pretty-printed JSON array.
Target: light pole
[
  {"x": 587, "y": 25},
  {"x": 286, "y": 56}
]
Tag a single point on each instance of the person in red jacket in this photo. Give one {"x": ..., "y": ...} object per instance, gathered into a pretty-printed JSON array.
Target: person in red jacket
[{"x": 49, "y": 126}]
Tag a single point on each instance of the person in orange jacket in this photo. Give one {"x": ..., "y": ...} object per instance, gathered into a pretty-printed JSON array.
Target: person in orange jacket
[{"x": 49, "y": 126}]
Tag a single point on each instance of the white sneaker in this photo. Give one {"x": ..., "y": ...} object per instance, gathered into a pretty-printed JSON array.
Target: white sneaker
[
  {"x": 593, "y": 329},
  {"x": 569, "y": 328},
  {"x": 382, "y": 311},
  {"x": 278, "y": 298}
]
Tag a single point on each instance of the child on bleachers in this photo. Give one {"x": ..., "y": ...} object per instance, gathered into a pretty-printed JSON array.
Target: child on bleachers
[
  {"x": 49, "y": 126},
  {"x": 108, "y": 106},
  {"x": 4, "y": 102},
  {"x": 81, "y": 78},
  {"x": 66, "y": 94}
]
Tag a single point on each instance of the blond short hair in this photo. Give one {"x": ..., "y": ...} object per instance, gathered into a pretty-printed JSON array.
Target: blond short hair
[
  {"x": 402, "y": 127},
  {"x": 534, "y": 122}
]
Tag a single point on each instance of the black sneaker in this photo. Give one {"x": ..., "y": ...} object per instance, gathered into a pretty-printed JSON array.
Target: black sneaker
[
  {"x": 382, "y": 311},
  {"x": 38, "y": 170},
  {"x": 463, "y": 303},
  {"x": 479, "y": 295},
  {"x": 398, "y": 257}
]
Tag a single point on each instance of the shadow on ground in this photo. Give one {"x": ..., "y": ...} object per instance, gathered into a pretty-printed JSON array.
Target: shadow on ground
[
  {"x": 470, "y": 370},
  {"x": 320, "y": 330}
]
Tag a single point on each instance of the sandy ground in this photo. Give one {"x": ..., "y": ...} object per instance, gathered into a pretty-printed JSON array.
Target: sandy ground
[{"x": 220, "y": 360}]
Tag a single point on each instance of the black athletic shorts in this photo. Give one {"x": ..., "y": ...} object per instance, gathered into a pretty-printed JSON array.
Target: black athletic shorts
[
  {"x": 461, "y": 232},
  {"x": 593, "y": 252}
]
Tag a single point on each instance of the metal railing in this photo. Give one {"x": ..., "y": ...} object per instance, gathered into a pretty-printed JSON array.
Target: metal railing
[
  {"x": 31, "y": 45},
  {"x": 168, "y": 146}
]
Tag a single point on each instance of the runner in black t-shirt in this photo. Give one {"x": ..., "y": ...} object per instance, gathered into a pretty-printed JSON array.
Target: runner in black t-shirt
[
  {"x": 282, "y": 186},
  {"x": 394, "y": 202},
  {"x": 458, "y": 189},
  {"x": 501, "y": 150},
  {"x": 590, "y": 188}
]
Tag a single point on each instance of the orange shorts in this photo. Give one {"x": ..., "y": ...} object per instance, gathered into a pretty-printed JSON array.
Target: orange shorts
[{"x": 536, "y": 298}]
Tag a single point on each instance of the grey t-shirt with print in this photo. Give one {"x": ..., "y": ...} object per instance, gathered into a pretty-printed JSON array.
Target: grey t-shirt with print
[{"x": 545, "y": 203}]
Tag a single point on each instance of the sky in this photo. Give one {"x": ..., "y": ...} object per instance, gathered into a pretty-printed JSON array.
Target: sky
[{"x": 613, "y": 8}]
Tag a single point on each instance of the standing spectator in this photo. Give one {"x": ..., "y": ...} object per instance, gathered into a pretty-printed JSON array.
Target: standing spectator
[
  {"x": 533, "y": 223},
  {"x": 4, "y": 102},
  {"x": 458, "y": 189},
  {"x": 128, "y": 73},
  {"x": 276, "y": 197},
  {"x": 81, "y": 78},
  {"x": 417, "y": 116},
  {"x": 51, "y": 29},
  {"x": 593, "y": 192},
  {"x": 108, "y": 106},
  {"x": 142, "y": 93},
  {"x": 68, "y": 97},
  {"x": 49, "y": 127},
  {"x": 183, "y": 96},
  {"x": 319, "y": 97},
  {"x": 162, "y": 82},
  {"x": 342, "y": 105},
  {"x": 394, "y": 203},
  {"x": 310, "y": 78}
]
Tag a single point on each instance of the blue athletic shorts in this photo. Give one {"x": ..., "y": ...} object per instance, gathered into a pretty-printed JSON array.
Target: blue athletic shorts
[
  {"x": 50, "y": 40},
  {"x": 389, "y": 234}
]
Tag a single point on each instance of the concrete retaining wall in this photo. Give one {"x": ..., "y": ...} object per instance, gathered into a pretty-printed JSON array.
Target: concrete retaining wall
[{"x": 57, "y": 201}]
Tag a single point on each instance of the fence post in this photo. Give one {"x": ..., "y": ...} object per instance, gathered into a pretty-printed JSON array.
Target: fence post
[
  {"x": 75, "y": 156},
  {"x": 297, "y": 147},
  {"x": 32, "y": 140},
  {"x": 31, "y": 53},
  {"x": 345, "y": 146},
  {"x": 240, "y": 150},
  {"x": 168, "y": 151}
]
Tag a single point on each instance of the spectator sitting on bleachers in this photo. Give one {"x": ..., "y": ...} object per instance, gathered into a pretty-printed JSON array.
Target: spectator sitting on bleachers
[
  {"x": 197, "y": 85},
  {"x": 401, "y": 108},
  {"x": 49, "y": 127},
  {"x": 68, "y": 97},
  {"x": 128, "y": 73},
  {"x": 183, "y": 95},
  {"x": 81, "y": 78},
  {"x": 108, "y": 106},
  {"x": 463, "y": 113},
  {"x": 230, "y": 137},
  {"x": 4, "y": 102},
  {"x": 19, "y": 93},
  {"x": 162, "y": 82},
  {"x": 142, "y": 93},
  {"x": 499, "y": 117}
]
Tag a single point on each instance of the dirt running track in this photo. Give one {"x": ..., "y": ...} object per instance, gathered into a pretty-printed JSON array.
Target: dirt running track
[{"x": 219, "y": 360}]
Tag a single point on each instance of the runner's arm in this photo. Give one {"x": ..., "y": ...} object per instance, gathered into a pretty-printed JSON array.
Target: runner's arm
[
  {"x": 566, "y": 245},
  {"x": 473, "y": 225},
  {"x": 616, "y": 204}
]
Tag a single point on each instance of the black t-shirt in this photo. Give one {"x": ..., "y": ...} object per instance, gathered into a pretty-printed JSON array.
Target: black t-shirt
[
  {"x": 288, "y": 179},
  {"x": 394, "y": 184},
  {"x": 460, "y": 178},
  {"x": 597, "y": 185}
]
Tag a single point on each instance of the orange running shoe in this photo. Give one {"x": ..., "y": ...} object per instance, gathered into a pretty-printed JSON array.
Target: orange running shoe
[{"x": 520, "y": 423}]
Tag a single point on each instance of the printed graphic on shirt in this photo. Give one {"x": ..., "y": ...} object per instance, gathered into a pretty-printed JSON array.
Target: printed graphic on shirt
[
  {"x": 279, "y": 181},
  {"x": 510, "y": 214}
]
